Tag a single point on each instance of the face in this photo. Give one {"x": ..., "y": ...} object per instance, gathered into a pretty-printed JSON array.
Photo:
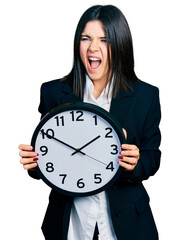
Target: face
[{"x": 93, "y": 51}]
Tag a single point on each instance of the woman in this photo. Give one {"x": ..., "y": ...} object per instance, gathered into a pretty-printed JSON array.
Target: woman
[{"x": 103, "y": 74}]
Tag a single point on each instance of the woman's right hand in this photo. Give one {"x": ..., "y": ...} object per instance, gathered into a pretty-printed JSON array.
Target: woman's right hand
[{"x": 28, "y": 157}]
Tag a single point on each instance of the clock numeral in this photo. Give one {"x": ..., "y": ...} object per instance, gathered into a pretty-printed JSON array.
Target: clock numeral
[
  {"x": 110, "y": 166},
  {"x": 49, "y": 167},
  {"x": 97, "y": 177},
  {"x": 80, "y": 183},
  {"x": 108, "y": 133},
  {"x": 58, "y": 122},
  {"x": 79, "y": 117},
  {"x": 64, "y": 176},
  {"x": 115, "y": 149},
  {"x": 44, "y": 150},
  {"x": 95, "y": 119},
  {"x": 49, "y": 132}
]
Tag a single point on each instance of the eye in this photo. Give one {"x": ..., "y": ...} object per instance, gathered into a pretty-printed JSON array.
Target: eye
[
  {"x": 103, "y": 39},
  {"x": 85, "y": 38}
]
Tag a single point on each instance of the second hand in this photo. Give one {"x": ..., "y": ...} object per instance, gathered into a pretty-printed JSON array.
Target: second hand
[{"x": 95, "y": 159}]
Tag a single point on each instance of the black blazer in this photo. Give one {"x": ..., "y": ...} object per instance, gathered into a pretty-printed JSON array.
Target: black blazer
[{"x": 138, "y": 111}]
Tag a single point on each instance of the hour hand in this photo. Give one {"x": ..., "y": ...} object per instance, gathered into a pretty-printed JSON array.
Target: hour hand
[
  {"x": 79, "y": 149},
  {"x": 58, "y": 140}
]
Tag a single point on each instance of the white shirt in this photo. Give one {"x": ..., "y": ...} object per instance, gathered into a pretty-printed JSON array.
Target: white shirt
[{"x": 86, "y": 211}]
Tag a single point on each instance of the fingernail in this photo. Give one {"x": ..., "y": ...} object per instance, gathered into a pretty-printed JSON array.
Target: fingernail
[
  {"x": 120, "y": 157},
  {"x": 35, "y": 159},
  {"x": 30, "y": 148},
  {"x": 35, "y": 154},
  {"x": 122, "y": 153}
]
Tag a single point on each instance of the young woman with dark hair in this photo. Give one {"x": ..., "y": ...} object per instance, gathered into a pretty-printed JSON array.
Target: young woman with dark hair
[
  {"x": 103, "y": 74},
  {"x": 119, "y": 48}
]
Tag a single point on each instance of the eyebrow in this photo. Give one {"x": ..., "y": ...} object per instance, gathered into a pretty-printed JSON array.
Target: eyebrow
[
  {"x": 85, "y": 36},
  {"x": 102, "y": 38}
]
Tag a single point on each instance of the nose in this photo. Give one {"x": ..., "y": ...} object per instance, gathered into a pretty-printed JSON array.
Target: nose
[{"x": 94, "y": 46}]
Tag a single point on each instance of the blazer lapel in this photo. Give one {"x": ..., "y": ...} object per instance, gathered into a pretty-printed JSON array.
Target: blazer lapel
[
  {"x": 121, "y": 105},
  {"x": 67, "y": 95}
]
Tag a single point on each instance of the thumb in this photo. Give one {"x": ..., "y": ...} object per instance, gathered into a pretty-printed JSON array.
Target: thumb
[{"x": 125, "y": 133}]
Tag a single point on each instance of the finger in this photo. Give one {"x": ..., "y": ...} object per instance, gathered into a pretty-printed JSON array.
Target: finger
[
  {"x": 129, "y": 146},
  {"x": 126, "y": 166},
  {"x": 25, "y": 147},
  {"x": 26, "y": 154},
  {"x": 125, "y": 133},
  {"x": 131, "y": 153},
  {"x": 30, "y": 166},
  {"x": 129, "y": 160},
  {"x": 28, "y": 160}
]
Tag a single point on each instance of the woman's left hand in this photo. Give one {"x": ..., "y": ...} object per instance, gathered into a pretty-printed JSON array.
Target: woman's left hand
[{"x": 129, "y": 156}]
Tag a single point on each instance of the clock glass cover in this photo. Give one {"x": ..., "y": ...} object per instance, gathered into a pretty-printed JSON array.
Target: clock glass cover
[{"x": 78, "y": 146}]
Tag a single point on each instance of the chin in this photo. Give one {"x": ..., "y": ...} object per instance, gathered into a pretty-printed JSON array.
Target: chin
[{"x": 93, "y": 77}]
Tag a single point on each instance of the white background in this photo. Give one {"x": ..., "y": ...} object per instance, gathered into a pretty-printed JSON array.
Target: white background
[{"x": 36, "y": 45}]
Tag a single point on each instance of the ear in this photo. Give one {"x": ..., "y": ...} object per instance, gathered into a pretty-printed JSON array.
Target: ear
[{"x": 125, "y": 133}]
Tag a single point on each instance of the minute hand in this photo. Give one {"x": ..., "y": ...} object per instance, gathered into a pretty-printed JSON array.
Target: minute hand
[
  {"x": 58, "y": 140},
  {"x": 79, "y": 149}
]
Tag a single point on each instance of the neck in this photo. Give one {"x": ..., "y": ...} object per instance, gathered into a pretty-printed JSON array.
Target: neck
[{"x": 98, "y": 88}]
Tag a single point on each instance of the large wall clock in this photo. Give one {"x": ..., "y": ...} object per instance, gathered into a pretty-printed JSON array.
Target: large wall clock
[{"x": 78, "y": 146}]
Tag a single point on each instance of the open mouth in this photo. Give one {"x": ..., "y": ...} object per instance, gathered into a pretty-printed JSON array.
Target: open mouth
[{"x": 94, "y": 62}]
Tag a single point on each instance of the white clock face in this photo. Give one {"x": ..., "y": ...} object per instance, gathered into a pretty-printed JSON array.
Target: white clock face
[{"x": 78, "y": 151}]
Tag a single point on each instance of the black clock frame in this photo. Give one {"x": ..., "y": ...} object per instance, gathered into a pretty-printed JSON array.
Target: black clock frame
[{"x": 87, "y": 107}]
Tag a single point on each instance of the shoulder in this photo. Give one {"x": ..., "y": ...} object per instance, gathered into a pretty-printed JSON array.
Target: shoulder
[
  {"x": 144, "y": 89},
  {"x": 144, "y": 92},
  {"x": 143, "y": 95},
  {"x": 51, "y": 94},
  {"x": 55, "y": 87},
  {"x": 146, "y": 98},
  {"x": 52, "y": 85}
]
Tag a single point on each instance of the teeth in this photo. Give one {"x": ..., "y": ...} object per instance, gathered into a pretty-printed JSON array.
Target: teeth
[{"x": 94, "y": 59}]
